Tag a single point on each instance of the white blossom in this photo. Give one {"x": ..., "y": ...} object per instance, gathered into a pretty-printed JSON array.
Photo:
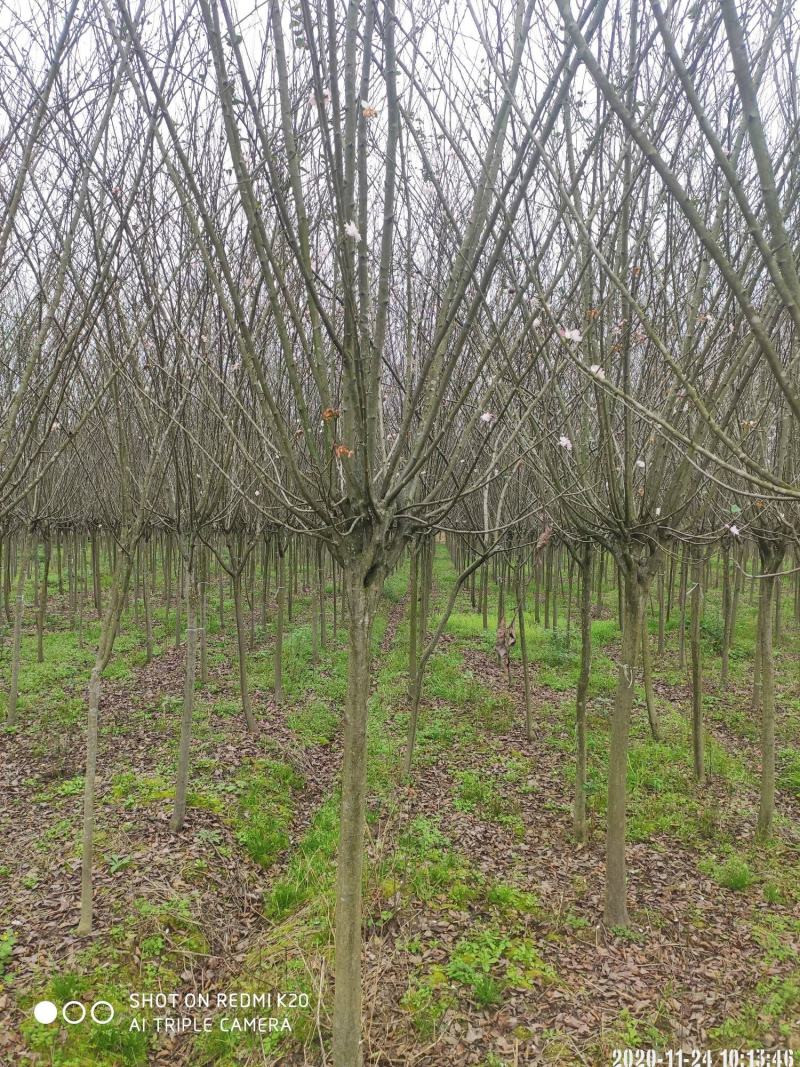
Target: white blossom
[
  {"x": 488, "y": 417},
  {"x": 570, "y": 335},
  {"x": 351, "y": 231},
  {"x": 640, "y": 463},
  {"x": 565, "y": 442}
]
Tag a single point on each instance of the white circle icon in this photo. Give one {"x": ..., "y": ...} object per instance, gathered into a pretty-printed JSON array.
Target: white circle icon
[
  {"x": 45, "y": 1012},
  {"x": 81, "y": 1008},
  {"x": 109, "y": 1008}
]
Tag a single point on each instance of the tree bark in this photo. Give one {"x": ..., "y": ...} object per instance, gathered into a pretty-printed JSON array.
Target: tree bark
[
  {"x": 244, "y": 685},
  {"x": 184, "y": 748},
  {"x": 579, "y": 806},
  {"x": 698, "y": 744},
  {"x": 727, "y": 605},
  {"x": 361, "y": 603},
  {"x": 16, "y": 641},
  {"x": 682, "y": 602},
  {"x": 108, "y": 633},
  {"x": 281, "y": 601},
  {"x": 771, "y": 560},
  {"x": 523, "y": 648},
  {"x": 41, "y": 616},
  {"x": 647, "y": 679},
  {"x": 413, "y": 616},
  {"x": 616, "y": 909}
]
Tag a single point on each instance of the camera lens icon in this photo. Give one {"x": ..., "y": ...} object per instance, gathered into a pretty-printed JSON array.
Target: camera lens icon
[
  {"x": 45, "y": 1012},
  {"x": 73, "y": 1012}
]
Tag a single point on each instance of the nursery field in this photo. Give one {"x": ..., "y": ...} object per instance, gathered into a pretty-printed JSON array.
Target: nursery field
[{"x": 484, "y": 941}]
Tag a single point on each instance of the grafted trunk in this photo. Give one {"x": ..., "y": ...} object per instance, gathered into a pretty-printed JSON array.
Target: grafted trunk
[
  {"x": 579, "y": 806},
  {"x": 85, "y": 923},
  {"x": 244, "y": 685},
  {"x": 727, "y": 606},
  {"x": 523, "y": 647},
  {"x": 771, "y": 561},
  {"x": 84, "y": 592},
  {"x": 42, "y": 613},
  {"x": 662, "y": 628},
  {"x": 203, "y": 628},
  {"x": 320, "y": 579},
  {"x": 313, "y": 609},
  {"x": 413, "y": 615},
  {"x": 108, "y": 633},
  {"x": 361, "y": 604},
  {"x": 148, "y": 616},
  {"x": 184, "y": 746},
  {"x": 179, "y": 595},
  {"x": 647, "y": 679},
  {"x": 616, "y": 909},
  {"x": 684, "y": 581},
  {"x": 7, "y": 580},
  {"x": 698, "y": 741},
  {"x": 96, "y": 587},
  {"x": 16, "y": 643},
  {"x": 281, "y": 601}
]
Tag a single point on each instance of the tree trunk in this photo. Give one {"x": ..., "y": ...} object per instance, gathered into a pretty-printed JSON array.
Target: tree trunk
[
  {"x": 682, "y": 604},
  {"x": 361, "y": 603},
  {"x": 771, "y": 560},
  {"x": 662, "y": 627},
  {"x": 41, "y": 617},
  {"x": 413, "y": 616},
  {"x": 85, "y": 923},
  {"x": 698, "y": 746},
  {"x": 647, "y": 678},
  {"x": 7, "y": 580},
  {"x": 281, "y": 598},
  {"x": 616, "y": 910},
  {"x": 313, "y": 608},
  {"x": 727, "y": 605},
  {"x": 523, "y": 648},
  {"x": 323, "y": 634},
  {"x": 244, "y": 685},
  {"x": 579, "y": 807},
  {"x": 148, "y": 616},
  {"x": 84, "y": 592},
  {"x": 16, "y": 641},
  {"x": 184, "y": 748},
  {"x": 180, "y": 592},
  {"x": 96, "y": 588},
  {"x": 203, "y": 629},
  {"x": 108, "y": 633}
]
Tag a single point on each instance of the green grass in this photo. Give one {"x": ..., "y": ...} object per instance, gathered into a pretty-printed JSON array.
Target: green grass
[
  {"x": 479, "y": 794},
  {"x": 265, "y": 808}
]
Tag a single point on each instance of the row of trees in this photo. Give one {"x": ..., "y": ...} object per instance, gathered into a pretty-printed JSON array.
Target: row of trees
[{"x": 335, "y": 281}]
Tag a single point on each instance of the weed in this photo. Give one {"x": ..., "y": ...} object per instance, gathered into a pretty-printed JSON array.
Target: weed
[
  {"x": 7, "y": 940},
  {"x": 734, "y": 873},
  {"x": 265, "y": 809}
]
